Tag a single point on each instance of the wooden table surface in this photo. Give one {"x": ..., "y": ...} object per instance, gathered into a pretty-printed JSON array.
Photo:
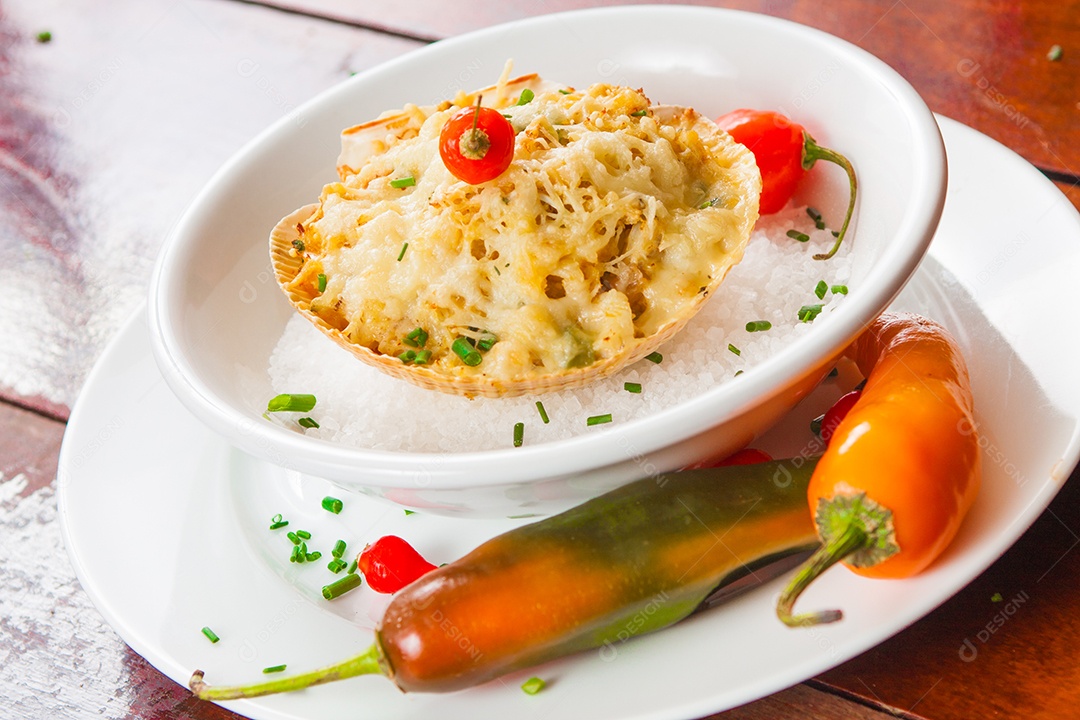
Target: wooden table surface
[{"x": 109, "y": 129}]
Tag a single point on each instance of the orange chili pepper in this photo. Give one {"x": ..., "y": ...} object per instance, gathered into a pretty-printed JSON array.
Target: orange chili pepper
[{"x": 903, "y": 467}]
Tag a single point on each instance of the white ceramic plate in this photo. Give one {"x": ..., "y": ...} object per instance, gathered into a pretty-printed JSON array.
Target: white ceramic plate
[{"x": 166, "y": 523}]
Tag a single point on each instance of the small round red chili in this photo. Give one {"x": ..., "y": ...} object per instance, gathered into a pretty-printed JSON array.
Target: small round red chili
[
  {"x": 784, "y": 152},
  {"x": 838, "y": 412},
  {"x": 390, "y": 563},
  {"x": 746, "y": 456},
  {"x": 477, "y": 144}
]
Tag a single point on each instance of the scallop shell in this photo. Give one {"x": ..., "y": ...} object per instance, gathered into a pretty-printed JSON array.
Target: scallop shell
[{"x": 363, "y": 140}]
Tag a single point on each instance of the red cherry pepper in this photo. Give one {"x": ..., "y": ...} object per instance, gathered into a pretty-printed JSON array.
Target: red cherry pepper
[
  {"x": 837, "y": 412},
  {"x": 746, "y": 456},
  {"x": 477, "y": 144},
  {"x": 784, "y": 152},
  {"x": 390, "y": 563}
]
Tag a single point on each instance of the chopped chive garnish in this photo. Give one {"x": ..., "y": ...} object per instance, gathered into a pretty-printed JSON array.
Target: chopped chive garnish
[
  {"x": 996, "y": 597},
  {"x": 758, "y": 326},
  {"x": 464, "y": 350},
  {"x": 526, "y": 97},
  {"x": 299, "y": 245},
  {"x": 796, "y": 235},
  {"x": 303, "y": 549},
  {"x": 44, "y": 36},
  {"x": 486, "y": 342},
  {"x": 820, "y": 289},
  {"x": 508, "y": 117},
  {"x": 306, "y": 422},
  {"x": 808, "y": 312},
  {"x": 403, "y": 182},
  {"x": 407, "y": 357},
  {"x": 640, "y": 113},
  {"x": 416, "y": 338},
  {"x": 632, "y": 387},
  {"x": 839, "y": 289},
  {"x": 564, "y": 92},
  {"x": 533, "y": 685},
  {"x": 738, "y": 373},
  {"x": 404, "y": 247},
  {"x": 543, "y": 413},
  {"x": 731, "y": 348},
  {"x": 409, "y": 512},
  {"x": 655, "y": 357},
  {"x": 322, "y": 282},
  {"x": 816, "y": 217},
  {"x": 708, "y": 203},
  {"x": 303, "y": 534},
  {"x": 273, "y": 669},
  {"x": 423, "y": 357},
  {"x": 1053, "y": 55},
  {"x": 293, "y": 538},
  {"x": 519, "y": 434},
  {"x": 288, "y": 402},
  {"x": 336, "y": 565},
  {"x": 295, "y": 556},
  {"x": 278, "y": 522},
  {"x": 598, "y": 419},
  {"x": 353, "y": 565},
  {"x": 339, "y": 549},
  {"x": 210, "y": 635},
  {"x": 332, "y": 504},
  {"x": 313, "y": 556},
  {"x": 339, "y": 587}
]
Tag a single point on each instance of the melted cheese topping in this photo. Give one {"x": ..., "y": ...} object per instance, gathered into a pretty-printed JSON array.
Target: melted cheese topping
[{"x": 613, "y": 221}]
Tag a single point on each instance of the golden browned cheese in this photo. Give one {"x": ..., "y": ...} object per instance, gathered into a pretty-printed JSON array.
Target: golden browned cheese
[{"x": 614, "y": 222}]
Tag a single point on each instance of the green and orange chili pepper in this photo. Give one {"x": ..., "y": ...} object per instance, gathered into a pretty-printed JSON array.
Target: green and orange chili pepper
[
  {"x": 629, "y": 562},
  {"x": 902, "y": 468}
]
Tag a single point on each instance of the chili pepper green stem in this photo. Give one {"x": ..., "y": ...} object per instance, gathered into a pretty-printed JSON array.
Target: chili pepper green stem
[
  {"x": 851, "y": 540},
  {"x": 367, "y": 663},
  {"x": 812, "y": 152},
  {"x": 475, "y": 143}
]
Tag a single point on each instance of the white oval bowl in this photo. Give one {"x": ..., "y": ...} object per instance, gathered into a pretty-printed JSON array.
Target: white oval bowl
[{"x": 216, "y": 312}]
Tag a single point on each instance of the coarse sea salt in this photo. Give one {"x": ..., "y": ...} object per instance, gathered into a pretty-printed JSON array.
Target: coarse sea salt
[{"x": 361, "y": 407}]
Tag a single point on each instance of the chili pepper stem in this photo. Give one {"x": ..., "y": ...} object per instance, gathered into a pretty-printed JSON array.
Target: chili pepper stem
[
  {"x": 475, "y": 143},
  {"x": 851, "y": 540},
  {"x": 812, "y": 152},
  {"x": 853, "y": 528},
  {"x": 367, "y": 663}
]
